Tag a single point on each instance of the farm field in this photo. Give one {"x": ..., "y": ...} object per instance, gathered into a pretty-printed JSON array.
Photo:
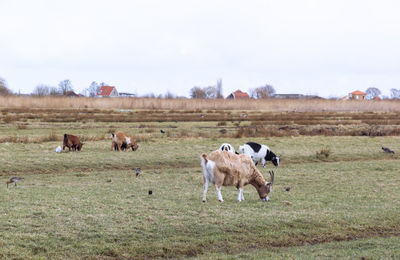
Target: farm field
[{"x": 343, "y": 202}]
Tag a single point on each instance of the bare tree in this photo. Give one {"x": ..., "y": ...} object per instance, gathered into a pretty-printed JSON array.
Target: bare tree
[
  {"x": 93, "y": 89},
  {"x": 395, "y": 93},
  {"x": 41, "y": 90},
  {"x": 169, "y": 95},
  {"x": 4, "y": 91},
  {"x": 65, "y": 86},
  {"x": 197, "y": 92},
  {"x": 262, "y": 92},
  {"x": 53, "y": 91},
  {"x": 211, "y": 92},
  {"x": 372, "y": 92}
]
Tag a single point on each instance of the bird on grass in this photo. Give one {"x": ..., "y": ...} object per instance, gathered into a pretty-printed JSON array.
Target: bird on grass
[
  {"x": 162, "y": 131},
  {"x": 14, "y": 180},
  {"x": 387, "y": 150},
  {"x": 138, "y": 171}
]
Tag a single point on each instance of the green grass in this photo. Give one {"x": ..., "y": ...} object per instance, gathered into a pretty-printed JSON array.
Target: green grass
[
  {"x": 89, "y": 204},
  {"x": 372, "y": 248}
]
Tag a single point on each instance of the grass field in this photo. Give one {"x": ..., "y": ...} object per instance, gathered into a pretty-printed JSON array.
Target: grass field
[{"x": 89, "y": 204}]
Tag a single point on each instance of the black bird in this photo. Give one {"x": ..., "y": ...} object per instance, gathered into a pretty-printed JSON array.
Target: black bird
[
  {"x": 15, "y": 180},
  {"x": 138, "y": 171},
  {"x": 287, "y": 188},
  {"x": 162, "y": 131},
  {"x": 387, "y": 150}
]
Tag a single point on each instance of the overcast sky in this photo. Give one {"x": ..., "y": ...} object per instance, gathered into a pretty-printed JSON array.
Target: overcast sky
[{"x": 328, "y": 48}]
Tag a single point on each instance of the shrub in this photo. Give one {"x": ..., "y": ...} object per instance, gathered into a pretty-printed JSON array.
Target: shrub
[{"x": 323, "y": 152}]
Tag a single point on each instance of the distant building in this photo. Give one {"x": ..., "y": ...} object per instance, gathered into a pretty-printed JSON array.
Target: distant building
[
  {"x": 238, "y": 94},
  {"x": 357, "y": 95},
  {"x": 108, "y": 91},
  {"x": 295, "y": 96},
  {"x": 71, "y": 94},
  {"x": 124, "y": 94},
  {"x": 377, "y": 98}
]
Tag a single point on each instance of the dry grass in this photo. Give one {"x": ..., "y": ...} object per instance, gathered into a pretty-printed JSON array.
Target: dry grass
[
  {"x": 190, "y": 123},
  {"x": 201, "y": 104}
]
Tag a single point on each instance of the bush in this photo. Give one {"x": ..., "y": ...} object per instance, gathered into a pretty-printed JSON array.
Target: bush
[{"x": 323, "y": 152}]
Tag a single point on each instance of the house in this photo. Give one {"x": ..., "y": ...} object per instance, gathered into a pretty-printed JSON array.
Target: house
[
  {"x": 238, "y": 95},
  {"x": 71, "y": 94},
  {"x": 357, "y": 95},
  {"x": 125, "y": 94},
  {"x": 295, "y": 96},
  {"x": 108, "y": 91},
  {"x": 377, "y": 98}
]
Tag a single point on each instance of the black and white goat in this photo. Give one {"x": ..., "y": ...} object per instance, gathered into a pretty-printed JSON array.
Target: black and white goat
[
  {"x": 227, "y": 147},
  {"x": 259, "y": 152}
]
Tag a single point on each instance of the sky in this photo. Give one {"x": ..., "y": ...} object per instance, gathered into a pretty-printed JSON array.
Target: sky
[{"x": 318, "y": 47}]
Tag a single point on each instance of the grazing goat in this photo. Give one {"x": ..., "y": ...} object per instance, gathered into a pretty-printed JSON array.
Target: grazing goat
[
  {"x": 259, "y": 152},
  {"x": 72, "y": 141},
  {"x": 227, "y": 147},
  {"x": 229, "y": 169},
  {"x": 119, "y": 138}
]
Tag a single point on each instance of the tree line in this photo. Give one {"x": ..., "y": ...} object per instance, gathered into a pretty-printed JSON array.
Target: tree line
[{"x": 208, "y": 92}]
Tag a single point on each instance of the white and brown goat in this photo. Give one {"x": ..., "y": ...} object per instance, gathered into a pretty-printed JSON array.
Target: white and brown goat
[
  {"x": 122, "y": 140},
  {"x": 228, "y": 169}
]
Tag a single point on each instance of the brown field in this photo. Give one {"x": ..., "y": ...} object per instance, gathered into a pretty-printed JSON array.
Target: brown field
[
  {"x": 268, "y": 120},
  {"x": 275, "y": 105}
]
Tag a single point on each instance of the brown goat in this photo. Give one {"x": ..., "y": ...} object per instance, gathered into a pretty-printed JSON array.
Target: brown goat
[
  {"x": 228, "y": 169},
  {"x": 120, "y": 139},
  {"x": 72, "y": 142}
]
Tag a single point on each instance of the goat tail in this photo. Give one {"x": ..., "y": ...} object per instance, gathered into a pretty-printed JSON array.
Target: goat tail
[{"x": 204, "y": 157}]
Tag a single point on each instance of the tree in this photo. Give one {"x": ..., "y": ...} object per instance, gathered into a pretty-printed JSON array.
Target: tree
[
  {"x": 262, "y": 92},
  {"x": 41, "y": 90},
  {"x": 395, "y": 93},
  {"x": 4, "y": 91},
  {"x": 93, "y": 89},
  {"x": 197, "y": 92},
  {"x": 53, "y": 91},
  {"x": 210, "y": 92},
  {"x": 169, "y": 95},
  {"x": 372, "y": 92},
  {"x": 65, "y": 86}
]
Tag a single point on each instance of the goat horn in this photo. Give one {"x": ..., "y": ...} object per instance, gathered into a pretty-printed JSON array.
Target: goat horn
[{"x": 272, "y": 174}]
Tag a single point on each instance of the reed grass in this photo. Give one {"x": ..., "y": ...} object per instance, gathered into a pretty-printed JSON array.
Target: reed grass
[{"x": 298, "y": 105}]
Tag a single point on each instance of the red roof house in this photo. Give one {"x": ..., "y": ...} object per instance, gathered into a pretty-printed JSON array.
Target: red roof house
[
  {"x": 108, "y": 91},
  {"x": 71, "y": 94},
  {"x": 357, "y": 95},
  {"x": 238, "y": 94}
]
